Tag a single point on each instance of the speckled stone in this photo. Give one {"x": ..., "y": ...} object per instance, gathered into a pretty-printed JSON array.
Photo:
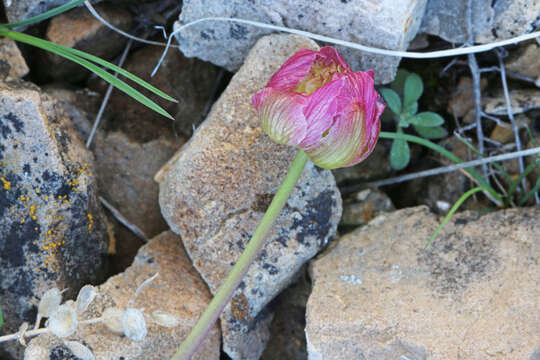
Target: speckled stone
[
  {"x": 51, "y": 224},
  {"x": 17, "y": 10},
  {"x": 215, "y": 191},
  {"x": 380, "y": 293},
  {"x": 177, "y": 290},
  {"x": 387, "y": 24},
  {"x": 12, "y": 63}
]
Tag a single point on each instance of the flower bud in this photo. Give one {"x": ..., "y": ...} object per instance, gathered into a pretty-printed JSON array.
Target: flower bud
[
  {"x": 79, "y": 350},
  {"x": 112, "y": 318},
  {"x": 50, "y": 301},
  {"x": 63, "y": 322},
  {"x": 133, "y": 324},
  {"x": 85, "y": 298},
  {"x": 315, "y": 102},
  {"x": 164, "y": 319}
]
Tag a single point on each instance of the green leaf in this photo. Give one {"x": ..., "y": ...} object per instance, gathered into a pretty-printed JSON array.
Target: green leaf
[
  {"x": 412, "y": 89},
  {"x": 427, "y": 119},
  {"x": 399, "y": 81},
  {"x": 454, "y": 208},
  {"x": 70, "y": 55},
  {"x": 431, "y": 145},
  {"x": 392, "y": 99},
  {"x": 436, "y": 132},
  {"x": 411, "y": 108},
  {"x": 1, "y": 318},
  {"x": 400, "y": 154},
  {"x": 45, "y": 15},
  {"x": 30, "y": 39}
]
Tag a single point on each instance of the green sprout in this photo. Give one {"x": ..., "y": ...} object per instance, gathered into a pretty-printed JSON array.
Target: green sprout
[{"x": 405, "y": 112}]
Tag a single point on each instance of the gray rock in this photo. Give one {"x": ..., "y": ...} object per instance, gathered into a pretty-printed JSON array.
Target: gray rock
[
  {"x": 384, "y": 24},
  {"x": 12, "y": 63},
  {"x": 53, "y": 233},
  {"x": 178, "y": 290},
  {"x": 379, "y": 293},
  {"x": 491, "y": 20},
  {"x": 215, "y": 191},
  {"x": 18, "y": 10}
]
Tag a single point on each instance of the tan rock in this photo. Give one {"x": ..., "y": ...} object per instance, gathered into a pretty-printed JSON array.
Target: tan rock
[
  {"x": 380, "y": 293},
  {"x": 521, "y": 100},
  {"x": 365, "y": 205},
  {"x": 178, "y": 290},
  {"x": 12, "y": 63},
  {"x": 525, "y": 61},
  {"x": 215, "y": 191},
  {"x": 80, "y": 30},
  {"x": 462, "y": 101}
]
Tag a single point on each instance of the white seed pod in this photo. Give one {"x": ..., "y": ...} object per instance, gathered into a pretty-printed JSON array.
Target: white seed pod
[
  {"x": 85, "y": 298},
  {"x": 36, "y": 352},
  {"x": 79, "y": 350},
  {"x": 134, "y": 324},
  {"x": 165, "y": 319},
  {"x": 50, "y": 301},
  {"x": 63, "y": 322},
  {"x": 112, "y": 318}
]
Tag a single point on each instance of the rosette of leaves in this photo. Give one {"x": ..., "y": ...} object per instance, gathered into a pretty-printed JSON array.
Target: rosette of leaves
[{"x": 402, "y": 100}]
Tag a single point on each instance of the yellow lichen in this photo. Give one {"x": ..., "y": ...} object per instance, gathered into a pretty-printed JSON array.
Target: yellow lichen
[{"x": 7, "y": 184}]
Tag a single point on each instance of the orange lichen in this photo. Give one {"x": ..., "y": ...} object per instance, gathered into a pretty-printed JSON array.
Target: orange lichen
[{"x": 90, "y": 222}]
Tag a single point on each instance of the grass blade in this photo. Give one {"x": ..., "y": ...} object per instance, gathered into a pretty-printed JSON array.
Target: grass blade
[
  {"x": 45, "y": 15},
  {"x": 445, "y": 153},
  {"x": 61, "y": 51},
  {"x": 454, "y": 208},
  {"x": 22, "y": 37},
  {"x": 527, "y": 196}
]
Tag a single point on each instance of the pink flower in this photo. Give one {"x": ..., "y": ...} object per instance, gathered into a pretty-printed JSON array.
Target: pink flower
[{"x": 315, "y": 102}]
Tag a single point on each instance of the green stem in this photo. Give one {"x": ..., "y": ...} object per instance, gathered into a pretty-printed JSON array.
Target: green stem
[
  {"x": 239, "y": 270},
  {"x": 389, "y": 135}
]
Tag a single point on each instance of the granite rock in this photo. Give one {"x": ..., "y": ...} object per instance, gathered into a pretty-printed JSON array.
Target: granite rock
[
  {"x": 18, "y": 10},
  {"x": 215, "y": 191},
  {"x": 491, "y": 20},
  {"x": 52, "y": 227},
  {"x": 521, "y": 100},
  {"x": 178, "y": 290},
  {"x": 474, "y": 293},
  {"x": 384, "y": 24}
]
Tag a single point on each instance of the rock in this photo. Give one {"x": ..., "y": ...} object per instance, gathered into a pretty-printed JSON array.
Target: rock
[
  {"x": 18, "y": 10},
  {"x": 215, "y": 191},
  {"x": 505, "y": 134},
  {"x": 379, "y": 293},
  {"x": 53, "y": 232},
  {"x": 383, "y": 24},
  {"x": 522, "y": 100},
  {"x": 12, "y": 63},
  {"x": 191, "y": 81},
  {"x": 491, "y": 21},
  {"x": 376, "y": 166},
  {"x": 126, "y": 169},
  {"x": 80, "y": 30},
  {"x": 364, "y": 206},
  {"x": 287, "y": 337},
  {"x": 525, "y": 60},
  {"x": 178, "y": 290}
]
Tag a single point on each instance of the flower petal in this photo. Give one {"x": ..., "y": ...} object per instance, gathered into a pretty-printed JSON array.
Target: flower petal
[
  {"x": 355, "y": 128},
  {"x": 282, "y": 115},
  {"x": 293, "y": 70},
  {"x": 330, "y": 56},
  {"x": 324, "y": 104}
]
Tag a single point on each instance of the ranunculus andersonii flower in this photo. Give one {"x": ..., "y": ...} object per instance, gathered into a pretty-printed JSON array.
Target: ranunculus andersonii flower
[{"x": 315, "y": 102}]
